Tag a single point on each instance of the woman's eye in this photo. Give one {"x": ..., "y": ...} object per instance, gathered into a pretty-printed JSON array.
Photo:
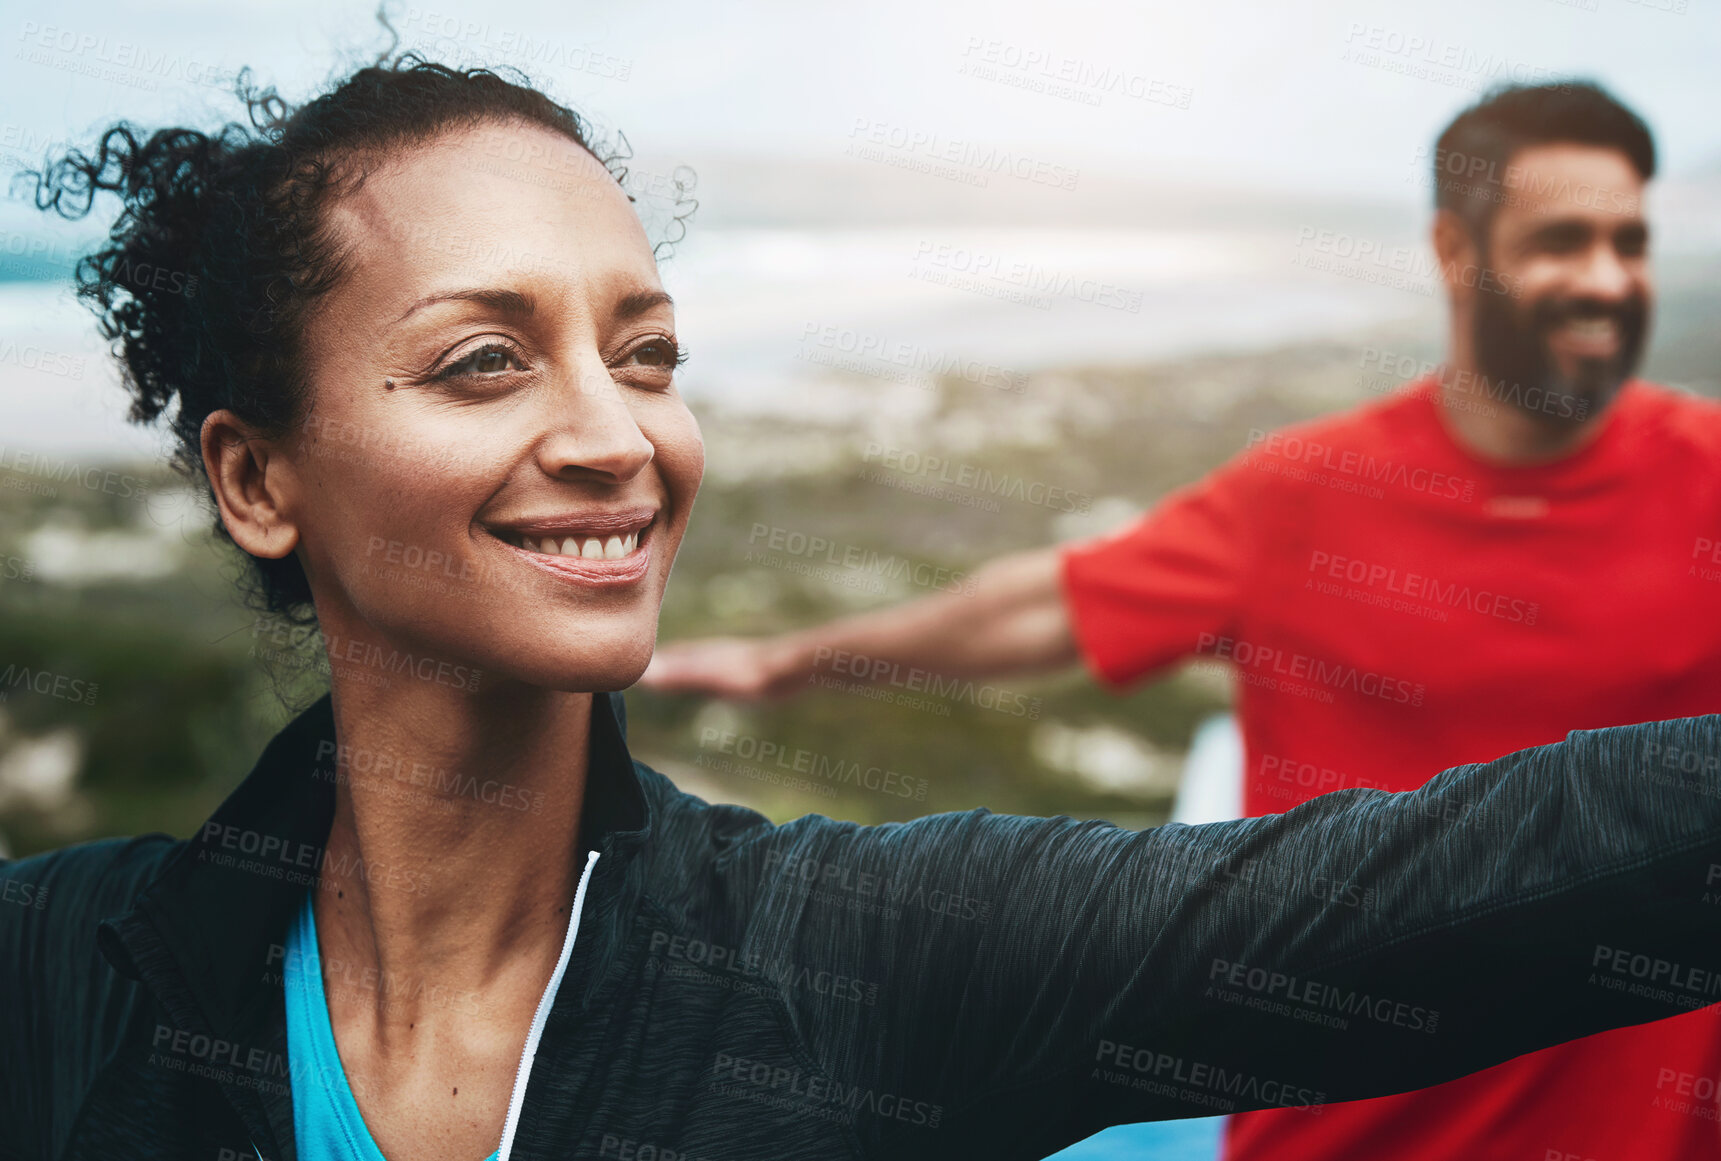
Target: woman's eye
[
  {"x": 486, "y": 360},
  {"x": 658, "y": 353}
]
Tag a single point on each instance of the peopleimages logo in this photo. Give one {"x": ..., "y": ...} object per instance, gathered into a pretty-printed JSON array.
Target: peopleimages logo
[
  {"x": 32, "y": 895},
  {"x": 1650, "y": 977},
  {"x": 633, "y": 1149},
  {"x": 1330, "y": 567},
  {"x": 1314, "y": 456},
  {"x": 1310, "y": 777},
  {"x": 1319, "y": 997},
  {"x": 290, "y": 860},
  {"x": 35, "y": 358},
  {"x": 960, "y": 158},
  {"x": 974, "y": 478},
  {"x": 790, "y": 544},
  {"x": 1207, "y": 1084},
  {"x": 826, "y": 881},
  {"x": 366, "y": 766},
  {"x": 798, "y": 1090},
  {"x": 1416, "y": 265},
  {"x": 49, "y": 684},
  {"x": 1042, "y": 70},
  {"x": 1255, "y": 660},
  {"x": 1440, "y": 61},
  {"x": 722, "y": 962},
  {"x": 799, "y": 760},
  {"x": 882, "y": 356},
  {"x": 95, "y": 479},
  {"x": 883, "y": 671},
  {"x": 1039, "y": 282},
  {"x": 372, "y": 655},
  {"x": 1462, "y": 389}
]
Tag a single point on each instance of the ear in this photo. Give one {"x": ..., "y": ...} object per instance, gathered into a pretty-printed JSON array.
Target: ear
[
  {"x": 254, "y": 481},
  {"x": 1455, "y": 251}
]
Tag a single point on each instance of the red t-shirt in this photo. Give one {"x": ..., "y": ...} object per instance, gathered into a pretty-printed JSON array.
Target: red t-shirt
[{"x": 1392, "y": 606}]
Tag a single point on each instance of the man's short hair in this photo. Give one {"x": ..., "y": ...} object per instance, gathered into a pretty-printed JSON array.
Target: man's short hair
[{"x": 1472, "y": 155}]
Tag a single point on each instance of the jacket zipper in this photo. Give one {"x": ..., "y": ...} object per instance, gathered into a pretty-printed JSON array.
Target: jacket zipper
[{"x": 542, "y": 1016}]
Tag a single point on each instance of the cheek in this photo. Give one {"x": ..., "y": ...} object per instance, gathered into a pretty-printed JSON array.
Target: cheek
[
  {"x": 1536, "y": 292},
  {"x": 375, "y": 483},
  {"x": 400, "y": 516},
  {"x": 679, "y": 450},
  {"x": 1545, "y": 279}
]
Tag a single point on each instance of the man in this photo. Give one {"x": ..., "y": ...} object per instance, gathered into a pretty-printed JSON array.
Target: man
[{"x": 1521, "y": 543}]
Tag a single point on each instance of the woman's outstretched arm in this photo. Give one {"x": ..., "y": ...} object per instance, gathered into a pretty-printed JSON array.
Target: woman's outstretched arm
[{"x": 1033, "y": 980}]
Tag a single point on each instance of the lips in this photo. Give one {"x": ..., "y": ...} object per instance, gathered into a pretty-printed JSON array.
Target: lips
[
  {"x": 595, "y": 546},
  {"x": 1592, "y": 329},
  {"x": 1593, "y": 336}
]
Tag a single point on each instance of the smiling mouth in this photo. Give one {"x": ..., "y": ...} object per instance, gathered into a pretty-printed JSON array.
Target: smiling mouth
[
  {"x": 1596, "y": 337},
  {"x": 611, "y": 547},
  {"x": 589, "y": 547}
]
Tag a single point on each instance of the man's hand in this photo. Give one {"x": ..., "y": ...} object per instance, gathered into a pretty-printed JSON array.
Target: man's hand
[
  {"x": 1013, "y": 622},
  {"x": 737, "y": 668}
]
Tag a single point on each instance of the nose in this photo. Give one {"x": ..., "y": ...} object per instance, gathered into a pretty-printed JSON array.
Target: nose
[
  {"x": 591, "y": 432},
  {"x": 1603, "y": 275}
]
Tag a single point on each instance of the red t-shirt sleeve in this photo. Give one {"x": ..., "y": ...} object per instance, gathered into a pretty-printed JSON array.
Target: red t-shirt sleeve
[{"x": 1146, "y": 595}]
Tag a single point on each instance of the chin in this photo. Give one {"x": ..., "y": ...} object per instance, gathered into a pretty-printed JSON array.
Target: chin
[
  {"x": 616, "y": 669},
  {"x": 568, "y": 661}
]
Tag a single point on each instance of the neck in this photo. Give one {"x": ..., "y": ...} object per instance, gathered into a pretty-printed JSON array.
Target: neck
[
  {"x": 453, "y": 858},
  {"x": 1496, "y": 430}
]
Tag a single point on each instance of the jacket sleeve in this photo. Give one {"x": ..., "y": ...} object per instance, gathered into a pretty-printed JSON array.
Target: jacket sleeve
[
  {"x": 1034, "y": 980},
  {"x": 63, "y": 1006}
]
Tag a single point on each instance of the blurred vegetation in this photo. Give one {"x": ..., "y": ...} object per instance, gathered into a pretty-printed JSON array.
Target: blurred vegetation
[{"x": 149, "y": 674}]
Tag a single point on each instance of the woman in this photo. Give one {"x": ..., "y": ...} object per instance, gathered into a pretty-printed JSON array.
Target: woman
[{"x": 446, "y": 914}]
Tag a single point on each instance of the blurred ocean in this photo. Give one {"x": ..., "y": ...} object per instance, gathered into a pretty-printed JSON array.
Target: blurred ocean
[
  {"x": 791, "y": 273},
  {"x": 763, "y": 310},
  {"x": 767, "y": 311}
]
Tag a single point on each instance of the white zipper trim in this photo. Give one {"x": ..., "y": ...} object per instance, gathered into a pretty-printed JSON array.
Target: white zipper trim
[{"x": 542, "y": 1016}]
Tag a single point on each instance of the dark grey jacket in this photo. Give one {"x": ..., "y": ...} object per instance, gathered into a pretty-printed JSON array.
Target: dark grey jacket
[{"x": 965, "y": 985}]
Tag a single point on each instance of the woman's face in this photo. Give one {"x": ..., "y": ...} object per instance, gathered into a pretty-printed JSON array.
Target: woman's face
[{"x": 496, "y": 469}]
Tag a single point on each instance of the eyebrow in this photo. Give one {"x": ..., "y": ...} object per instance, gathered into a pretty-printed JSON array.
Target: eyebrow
[
  {"x": 512, "y": 302},
  {"x": 640, "y": 301},
  {"x": 502, "y": 301},
  {"x": 1576, "y": 229}
]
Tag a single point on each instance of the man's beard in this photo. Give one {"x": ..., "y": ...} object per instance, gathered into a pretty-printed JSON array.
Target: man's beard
[{"x": 1512, "y": 352}]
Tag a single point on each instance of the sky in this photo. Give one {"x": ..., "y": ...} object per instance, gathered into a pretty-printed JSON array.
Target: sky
[{"x": 1314, "y": 96}]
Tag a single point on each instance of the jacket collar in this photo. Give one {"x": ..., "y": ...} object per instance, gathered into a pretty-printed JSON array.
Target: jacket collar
[{"x": 206, "y": 934}]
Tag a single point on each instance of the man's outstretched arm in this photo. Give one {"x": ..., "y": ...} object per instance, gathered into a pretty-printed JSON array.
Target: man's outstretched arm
[{"x": 1013, "y": 621}]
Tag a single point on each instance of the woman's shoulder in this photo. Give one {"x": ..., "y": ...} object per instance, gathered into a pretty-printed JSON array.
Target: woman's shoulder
[
  {"x": 54, "y": 900},
  {"x": 70, "y": 1001},
  {"x": 680, "y": 817}
]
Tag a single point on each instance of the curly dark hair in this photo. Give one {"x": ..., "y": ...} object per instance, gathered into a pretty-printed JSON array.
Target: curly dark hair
[{"x": 221, "y": 245}]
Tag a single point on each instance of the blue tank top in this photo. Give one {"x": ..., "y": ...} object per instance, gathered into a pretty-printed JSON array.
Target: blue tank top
[{"x": 327, "y": 1124}]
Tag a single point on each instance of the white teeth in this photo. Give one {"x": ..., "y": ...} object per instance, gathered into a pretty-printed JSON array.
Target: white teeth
[{"x": 585, "y": 547}]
